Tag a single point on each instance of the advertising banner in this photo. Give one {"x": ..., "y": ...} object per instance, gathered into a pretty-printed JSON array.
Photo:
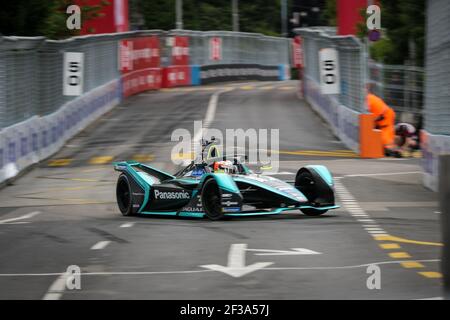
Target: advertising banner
[
  {"x": 139, "y": 62},
  {"x": 141, "y": 80},
  {"x": 180, "y": 51},
  {"x": 215, "y": 49},
  {"x": 297, "y": 52},
  {"x": 176, "y": 76},
  {"x": 139, "y": 53}
]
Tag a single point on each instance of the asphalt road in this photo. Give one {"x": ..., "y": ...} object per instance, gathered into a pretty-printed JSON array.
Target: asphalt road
[{"x": 63, "y": 213}]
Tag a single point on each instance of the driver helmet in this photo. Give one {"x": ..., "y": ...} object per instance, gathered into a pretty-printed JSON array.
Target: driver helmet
[{"x": 225, "y": 166}]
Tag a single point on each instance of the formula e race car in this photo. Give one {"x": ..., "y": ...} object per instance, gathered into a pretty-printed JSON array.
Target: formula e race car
[{"x": 220, "y": 186}]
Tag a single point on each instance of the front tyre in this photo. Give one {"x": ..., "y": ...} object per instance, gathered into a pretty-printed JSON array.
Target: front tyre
[
  {"x": 313, "y": 212},
  {"x": 123, "y": 195},
  {"x": 211, "y": 200}
]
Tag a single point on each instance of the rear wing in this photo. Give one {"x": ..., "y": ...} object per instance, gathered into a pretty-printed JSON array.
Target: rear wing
[{"x": 135, "y": 167}]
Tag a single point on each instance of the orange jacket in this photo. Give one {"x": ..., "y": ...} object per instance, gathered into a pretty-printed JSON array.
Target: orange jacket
[{"x": 385, "y": 115}]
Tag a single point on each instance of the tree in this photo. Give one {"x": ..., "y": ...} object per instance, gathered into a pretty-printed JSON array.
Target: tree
[
  {"x": 43, "y": 18},
  {"x": 254, "y": 16},
  {"x": 403, "y": 29}
]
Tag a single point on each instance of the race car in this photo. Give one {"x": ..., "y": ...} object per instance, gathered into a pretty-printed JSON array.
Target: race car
[{"x": 220, "y": 186}]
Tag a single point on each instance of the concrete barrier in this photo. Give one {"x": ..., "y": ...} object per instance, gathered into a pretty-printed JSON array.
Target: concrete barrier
[
  {"x": 37, "y": 138},
  {"x": 355, "y": 129},
  {"x": 432, "y": 147}
]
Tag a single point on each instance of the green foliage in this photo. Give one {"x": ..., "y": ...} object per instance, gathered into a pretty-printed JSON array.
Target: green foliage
[
  {"x": 402, "y": 21},
  {"x": 260, "y": 16},
  {"x": 330, "y": 13},
  {"x": 382, "y": 50},
  {"x": 43, "y": 18}
]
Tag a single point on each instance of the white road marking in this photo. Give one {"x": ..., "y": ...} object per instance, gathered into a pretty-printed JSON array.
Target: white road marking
[
  {"x": 380, "y": 174},
  {"x": 56, "y": 290},
  {"x": 127, "y": 225},
  {"x": 236, "y": 262},
  {"x": 100, "y": 245},
  {"x": 355, "y": 209},
  {"x": 366, "y": 220},
  {"x": 294, "y": 251},
  {"x": 209, "y": 118},
  {"x": 210, "y": 113},
  {"x": 112, "y": 273},
  {"x": 24, "y": 217},
  {"x": 268, "y": 173}
]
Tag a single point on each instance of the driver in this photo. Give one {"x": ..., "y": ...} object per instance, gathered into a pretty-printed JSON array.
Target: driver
[{"x": 225, "y": 166}]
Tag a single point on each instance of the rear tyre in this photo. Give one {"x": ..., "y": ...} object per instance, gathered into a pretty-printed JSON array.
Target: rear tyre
[
  {"x": 123, "y": 195},
  {"x": 211, "y": 200}
]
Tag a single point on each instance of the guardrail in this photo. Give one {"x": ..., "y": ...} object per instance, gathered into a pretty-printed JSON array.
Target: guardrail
[
  {"x": 401, "y": 87},
  {"x": 346, "y": 110},
  {"x": 36, "y": 118}
]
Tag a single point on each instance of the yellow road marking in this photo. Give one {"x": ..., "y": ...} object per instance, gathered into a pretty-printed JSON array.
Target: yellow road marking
[
  {"x": 389, "y": 246},
  {"x": 92, "y": 170},
  {"x": 286, "y": 88},
  {"x": 143, "y": 157},
  {"x": 246, "y": 87},
  {"x": 266, "y": 88},
  {"x": 320, "y": 153},
  {"x": 82, "y": 201},
  {"x": 417, "y": 154},
  {"x": 398, "y": 239},
  {"x": 83, "y": 180},
  {"x": 101, "y": 160},
  {"x": 412, "y": 264},
  {"x": 182, "y": 156},
  {"x": 431, "y": 274},
  {"x": 59, "y": 162},
  {"x": 399, "y": 255}
]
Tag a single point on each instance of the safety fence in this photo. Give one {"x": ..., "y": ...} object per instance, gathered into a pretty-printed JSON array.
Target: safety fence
[
  {"x": 37, "y": 118},
  {"x": 435, "y": 138},
  {"x": 401, "y": 87},
  {"x": 345, "y": 110}
]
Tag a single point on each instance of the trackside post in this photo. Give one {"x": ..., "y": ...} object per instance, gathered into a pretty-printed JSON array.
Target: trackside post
[{"x": 444, "y": 199}]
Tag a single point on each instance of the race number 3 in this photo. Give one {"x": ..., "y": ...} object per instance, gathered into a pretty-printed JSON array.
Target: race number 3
[
  {"x": 73, "y": 73},
  {"x": 329, "y": 71}
]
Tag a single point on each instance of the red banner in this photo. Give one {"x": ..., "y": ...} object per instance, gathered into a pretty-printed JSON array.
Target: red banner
[
  {"x": 139, "y": 62},
  {"x": 139, "y": 53},
  {"x": 141, "y": 80},
  {"x": 176, "y": 76},
  {"x": 180, "y": 51},
  {"x": 297, "y": 52},
  {"x": 215, "y": 49}
]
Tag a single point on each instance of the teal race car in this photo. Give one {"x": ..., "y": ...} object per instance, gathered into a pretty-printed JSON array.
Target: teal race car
[{"x": 220, "y": 186}]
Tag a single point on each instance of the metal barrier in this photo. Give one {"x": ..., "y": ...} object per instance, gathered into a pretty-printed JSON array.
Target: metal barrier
[
  {"x": 342, "y": 111},
  {"x": 352, "y": 63},
  {"x": 36, "y": 119},
  {"x": 31, "y": 68},
  {"x": 400, "y": 86},
  {"x": 435, "y": 138}
]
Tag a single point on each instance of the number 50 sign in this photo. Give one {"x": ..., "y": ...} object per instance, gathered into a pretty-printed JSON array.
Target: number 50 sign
[
  {"x": 73, "y": 73},
  {"x": 329, "y": 71}
]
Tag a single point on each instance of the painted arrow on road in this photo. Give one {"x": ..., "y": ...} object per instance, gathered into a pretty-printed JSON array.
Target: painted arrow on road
[
  {"x": 236, "y": 259},
  {"x": 236, "y": 262},
  {"x": 294, "y": 251}
]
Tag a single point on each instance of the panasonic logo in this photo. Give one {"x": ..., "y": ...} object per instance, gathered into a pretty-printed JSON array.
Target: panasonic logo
[{"x": 171, "y": 195}]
